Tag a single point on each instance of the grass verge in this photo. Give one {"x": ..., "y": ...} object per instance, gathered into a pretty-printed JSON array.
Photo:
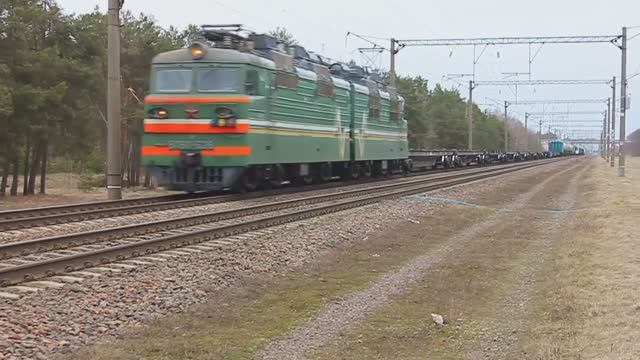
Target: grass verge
[
  {"x": 588, "y": 306},
  {"x": 237, "y": 324},
  {"x": 467, "y": 290}
]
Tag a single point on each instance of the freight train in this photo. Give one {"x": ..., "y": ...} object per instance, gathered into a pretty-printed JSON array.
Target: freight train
[
  {"x": 248, "y": 111},
  {"x": 243, "y": 111}
]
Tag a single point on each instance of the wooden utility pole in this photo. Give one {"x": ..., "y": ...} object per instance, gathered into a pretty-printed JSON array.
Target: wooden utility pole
[{"x": 114, "y": 151}]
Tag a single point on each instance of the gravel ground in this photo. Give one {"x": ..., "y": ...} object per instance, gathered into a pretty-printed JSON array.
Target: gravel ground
[
  {"x": 62, "y": 320},
  {"x": 88, "y": 225},
  {"x": 339, "y": 316},
  {"x": 56, "y": 253}
]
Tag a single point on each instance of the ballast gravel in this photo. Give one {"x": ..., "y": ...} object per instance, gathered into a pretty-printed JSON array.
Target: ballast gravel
[
  {"x": 51, "y": 321},
  {"x": 11, "y": 236}
]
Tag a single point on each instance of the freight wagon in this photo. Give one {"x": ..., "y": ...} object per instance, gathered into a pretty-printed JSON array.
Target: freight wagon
[{"x": 563, "y": 148}]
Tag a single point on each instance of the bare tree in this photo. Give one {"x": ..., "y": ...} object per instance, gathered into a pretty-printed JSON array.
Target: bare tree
[{"x": 283, "y": 35}]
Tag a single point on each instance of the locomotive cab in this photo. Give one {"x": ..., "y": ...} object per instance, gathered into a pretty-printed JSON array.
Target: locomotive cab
[{"x": 196, "y": 123}]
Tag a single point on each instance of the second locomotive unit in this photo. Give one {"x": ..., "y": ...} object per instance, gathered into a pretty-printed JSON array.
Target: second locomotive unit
[{"x": 242, "y": 112}]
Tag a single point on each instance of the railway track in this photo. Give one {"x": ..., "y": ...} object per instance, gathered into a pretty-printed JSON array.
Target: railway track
[
  {"x": 51, "y": 215},
  {"x": 40, "y": 258},
  {"x": 59, "y": 214}
]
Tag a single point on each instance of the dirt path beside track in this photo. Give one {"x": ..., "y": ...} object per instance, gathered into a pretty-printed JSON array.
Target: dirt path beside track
[{"x": 449, "y": 245}]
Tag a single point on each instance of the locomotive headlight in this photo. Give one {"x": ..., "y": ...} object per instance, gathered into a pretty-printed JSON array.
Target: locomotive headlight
[
  {"x": 159, "y": 113},
  {"x": 197, "y": 51},
  {"x": 225, "y": 117}
]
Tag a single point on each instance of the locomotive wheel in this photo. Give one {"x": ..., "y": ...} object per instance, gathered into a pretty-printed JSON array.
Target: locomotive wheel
[
  {"x": 405, "y": 168},
  {"x": 377, "y": 169},
  {"x": 250, "y": 179},
  {"x": 325, "y": 172},
  {"x": 278, "y": 177},
  {"x": 306, "y": 180},
  {"x": 389, "y": 170},
  {"x": 367, "y": 169},
  {"x": 353, "y": 171}
]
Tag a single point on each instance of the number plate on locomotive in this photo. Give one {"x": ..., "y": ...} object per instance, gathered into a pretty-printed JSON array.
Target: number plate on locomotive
[{"x": 190, "y": 145}]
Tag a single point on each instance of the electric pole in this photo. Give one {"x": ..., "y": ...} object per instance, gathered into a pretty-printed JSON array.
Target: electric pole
[
  {"x": 540, "y": 131},
  {"x": 602, "y": 141},
  {"x": 603, "y": 138},
  {"x": 623, "y": 103},
  {"x": 114, "y": 161},
  {"x": 526, "y": 131},
  {"x": 607, "y": 131},
  {"x": 392, "y": 64},
  {"x": 470, "y": 115},
  {"x": 612, "y": 135},
  {"x": 506, "y": 130}
]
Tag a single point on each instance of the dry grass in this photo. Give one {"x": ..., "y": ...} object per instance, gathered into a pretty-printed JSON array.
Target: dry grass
[
  {"x": 468, "y": 290},
  {"x": 62, "y": 188},
  {"x": 588, "y": 305},
  {"x": 234, "y": 326}
]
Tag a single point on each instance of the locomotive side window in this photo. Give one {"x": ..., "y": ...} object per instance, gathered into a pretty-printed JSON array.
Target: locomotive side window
[
  {"x": 218, "y": 80},
  {"x": 173, "y": 80}
]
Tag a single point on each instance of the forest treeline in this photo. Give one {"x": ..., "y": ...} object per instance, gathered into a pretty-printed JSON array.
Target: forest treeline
[{"x": 53, "y": 94}]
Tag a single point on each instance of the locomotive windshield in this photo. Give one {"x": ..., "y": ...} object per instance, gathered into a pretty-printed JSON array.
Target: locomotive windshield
[
  {"x": 173, "y": 80},
  {"x": 207, "y": 80},
  {"x": 218, "y": 80}
]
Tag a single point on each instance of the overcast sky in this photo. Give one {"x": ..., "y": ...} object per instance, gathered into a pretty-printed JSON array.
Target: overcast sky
[{"x": 323, "y": 25}]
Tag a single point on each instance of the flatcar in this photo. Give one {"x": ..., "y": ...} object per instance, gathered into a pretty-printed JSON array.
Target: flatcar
[{"x": 247, "y": 111}]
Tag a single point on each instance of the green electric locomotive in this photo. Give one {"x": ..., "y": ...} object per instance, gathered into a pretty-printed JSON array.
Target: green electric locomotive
[{"x": 248, "y": 111}]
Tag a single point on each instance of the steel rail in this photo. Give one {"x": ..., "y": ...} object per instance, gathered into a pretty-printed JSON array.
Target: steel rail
[
  {"x": 27, "y": 218},
  {"x": 40, "y": 269},
  {"x": 58, "y": 242},
  {"x": 103, "y": 204}
]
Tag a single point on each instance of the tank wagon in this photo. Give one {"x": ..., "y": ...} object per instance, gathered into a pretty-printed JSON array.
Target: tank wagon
[
  {"x": 563, "y": 148},
  {"x": 244, "y": 111},
  {"x": 567, "y": 149}
]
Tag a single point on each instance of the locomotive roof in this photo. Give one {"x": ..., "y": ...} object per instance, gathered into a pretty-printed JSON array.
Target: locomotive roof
[
  {"x": 233, "y": 56},
  {"x": 213, "y": 55}
]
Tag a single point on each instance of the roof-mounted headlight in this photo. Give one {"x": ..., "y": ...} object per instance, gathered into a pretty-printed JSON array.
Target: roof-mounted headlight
[{"x": 196, "y": 50}]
